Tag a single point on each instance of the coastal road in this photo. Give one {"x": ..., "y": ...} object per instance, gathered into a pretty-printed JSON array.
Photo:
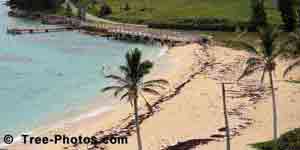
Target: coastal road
[{"x": 93, "y": 18}]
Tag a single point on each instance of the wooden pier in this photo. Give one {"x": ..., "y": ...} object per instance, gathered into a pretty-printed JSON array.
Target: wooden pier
[
  {"x": 16, "y": 31},
  {"x": 123, "y": 32}
]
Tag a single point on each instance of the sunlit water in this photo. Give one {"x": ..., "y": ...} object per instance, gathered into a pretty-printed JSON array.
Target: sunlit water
[{"x": 49, "y": 76}]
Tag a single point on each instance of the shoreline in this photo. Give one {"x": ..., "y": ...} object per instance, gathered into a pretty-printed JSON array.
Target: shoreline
[
  {"x": 94, "y": 112},
  {"x": 91, "y": 110},
  {"x": 90, "y": 113}
]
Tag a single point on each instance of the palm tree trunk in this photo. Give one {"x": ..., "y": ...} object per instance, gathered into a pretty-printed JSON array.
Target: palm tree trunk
[
  {"x": 226, "y": 118},
  {"x": 136, "y": 115},
  {"x": 274, "y": 108}
]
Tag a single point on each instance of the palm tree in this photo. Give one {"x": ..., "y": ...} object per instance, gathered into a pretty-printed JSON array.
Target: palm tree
[
  {"x": 293, "y": 45},
  {"x": 264, "y": 60},
  {"x": 131, "y": 85}
]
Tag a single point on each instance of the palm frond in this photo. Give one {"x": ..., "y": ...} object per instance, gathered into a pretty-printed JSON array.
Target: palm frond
[
  {"x": 124, "y": 69},
  {"x": 253, "y": 64},
  {"x": 244, "y": 45},
  {"x": 253, "y": 61},
  {"x": 149, "y": 107},
  {"x": 109, "y": 88},
  {"x": 124, "y": 96},
  {"x": 278, "y": 52},
  {"x": 248, "y": 72},
  {"x": 144, "y": 67},
  {"x": 117, "y": 78},
  {"x": 291, "y": 67},
  {"x": 241, "y": 35},
  {"x": 121, "y": 89},
  {"x": 155, "y": 86},
  {"x": 158, "y": 81},
  {"x": 151, "y": 91}
]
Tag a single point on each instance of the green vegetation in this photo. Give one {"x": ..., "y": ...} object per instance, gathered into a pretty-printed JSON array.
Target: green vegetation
[
  {"x": 164, "y": 11},
  {"x": 131, "y": 85},
  {"x": 259, "y": 16},
  {"x": 105, "y": 10},
  {"x": 288, "y": 14},
  {"x": 64, "y": 11},
  {"x": 287, "y": 141},
  {"x": 293, "y": 44},
  {"x": 94, "y": 9},
  {"x": 35, "y": 5}
]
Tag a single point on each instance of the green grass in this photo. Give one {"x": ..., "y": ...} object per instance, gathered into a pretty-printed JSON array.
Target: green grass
[
  {"x": 162, "y": 10},
  {"x": 62, "y": 12},
  {"x": 222, "y": 37},
  {"x": 250, "y": 37}
]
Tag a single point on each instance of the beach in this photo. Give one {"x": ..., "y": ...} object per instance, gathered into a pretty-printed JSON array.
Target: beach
[{"x": 190, "y": 114}]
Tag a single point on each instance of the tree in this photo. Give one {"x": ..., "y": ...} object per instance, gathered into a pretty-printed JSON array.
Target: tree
[
  {"x": 288, "y": 14},
  {"x": 105, "y": 10},
  {"x": 131, "y": 84},
  {"x": 69, "y": 12},
  {"x": 35, "y": 5},
  {"x": 259, "y": 17},
  {"x": 293, "y": 45},
  {"x": 264, "y": 60}
]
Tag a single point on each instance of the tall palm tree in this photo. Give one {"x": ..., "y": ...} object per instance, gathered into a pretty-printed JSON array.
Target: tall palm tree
[
  {"x": 130, "y": 84},
  {"x": 264, "y": 60}
]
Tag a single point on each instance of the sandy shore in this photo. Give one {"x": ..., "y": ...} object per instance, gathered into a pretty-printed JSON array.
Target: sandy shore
[{"x": 193, "y": 119}]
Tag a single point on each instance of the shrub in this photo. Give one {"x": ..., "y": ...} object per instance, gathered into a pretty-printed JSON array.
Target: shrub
[
  {"x": 290, "y": 140},
  {"x": 127, "y": 7},
  {"x": 288, "y": 14},
  {"x": 105, "y": 10},
  {"x": 68, "y": 11},
  {"x": 287, "y": 141},
  {"x": 202, "y": 23},
  {"x": 264, "y": 145}
]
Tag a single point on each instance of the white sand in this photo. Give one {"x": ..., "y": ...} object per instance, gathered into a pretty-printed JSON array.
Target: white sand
[{"x": 196, "y": 112}]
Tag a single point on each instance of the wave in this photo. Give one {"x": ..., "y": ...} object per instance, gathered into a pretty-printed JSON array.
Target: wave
[{"x": 163, "y": 51}]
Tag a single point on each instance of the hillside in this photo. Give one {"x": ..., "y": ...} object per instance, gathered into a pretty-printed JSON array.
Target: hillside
[{"x": 158, "y": 10}]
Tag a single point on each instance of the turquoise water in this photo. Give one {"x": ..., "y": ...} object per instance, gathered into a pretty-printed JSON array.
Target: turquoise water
[{"x": 51, "y": 75}]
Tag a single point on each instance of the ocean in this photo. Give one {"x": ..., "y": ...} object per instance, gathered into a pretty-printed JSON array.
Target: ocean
[{"x": 45, "y": 78}]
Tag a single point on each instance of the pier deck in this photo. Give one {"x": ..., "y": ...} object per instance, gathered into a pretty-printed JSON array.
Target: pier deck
[
  {"x": 123, "y": 32},
  {"x": 38, "y": 30}
]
